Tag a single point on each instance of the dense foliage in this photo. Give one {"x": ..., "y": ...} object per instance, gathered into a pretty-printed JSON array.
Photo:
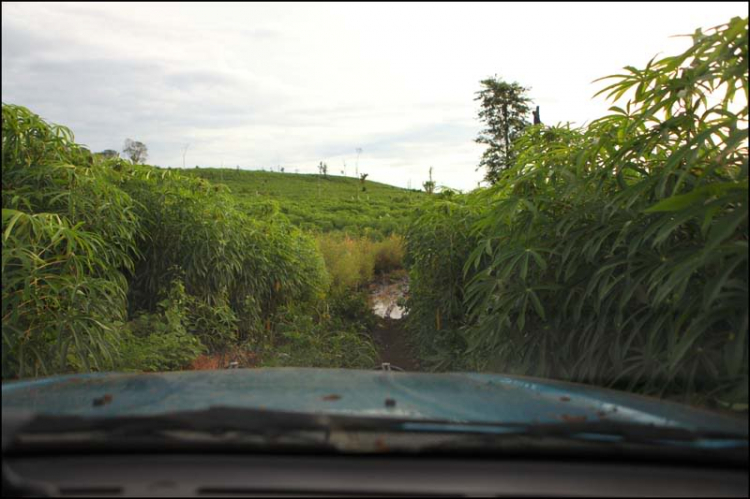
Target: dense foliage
[
  {"x": 614, "y": 254},
  {"x": 113, "y": 265}
]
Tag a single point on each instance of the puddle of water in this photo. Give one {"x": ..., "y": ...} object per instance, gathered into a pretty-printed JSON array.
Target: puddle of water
[{"x": 384, "y": 298}]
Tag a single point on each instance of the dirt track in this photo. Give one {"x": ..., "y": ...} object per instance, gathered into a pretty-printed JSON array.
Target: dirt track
[
  {"x": 391, "y": 340},
  {"x": 389, "y": 334}
]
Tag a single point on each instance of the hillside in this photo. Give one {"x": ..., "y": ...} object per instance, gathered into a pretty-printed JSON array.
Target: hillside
[{"x": 314, "y": 202}]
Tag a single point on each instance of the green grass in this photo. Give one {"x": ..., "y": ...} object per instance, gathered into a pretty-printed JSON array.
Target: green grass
[{"x": 317, "y": 203}]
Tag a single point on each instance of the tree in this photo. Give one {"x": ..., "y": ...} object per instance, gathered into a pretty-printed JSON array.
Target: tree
[
  {"x": 109, "y": 154},
  {"x": 323, "y": 169},
  {"x": 429, "y": 186},
  {"x": 504, "y": 111},
  {"x": 135, "y": 150}
]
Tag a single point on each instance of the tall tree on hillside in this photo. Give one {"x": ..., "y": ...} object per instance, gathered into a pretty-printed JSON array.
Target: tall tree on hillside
[
  {"x": 135, "y": 150},
  {"x": 504, "y": 111}
]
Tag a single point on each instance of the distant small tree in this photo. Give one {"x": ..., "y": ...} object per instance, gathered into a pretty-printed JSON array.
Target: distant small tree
[
  {"x": 429, "y": 186},
  {"x": 136, "y": 151},
  {"x": 362, "y": 179},
  {"x": 109, "y": 154},
  {"x": 323, "y": 169},
  {"x": 282, "y": 169}
]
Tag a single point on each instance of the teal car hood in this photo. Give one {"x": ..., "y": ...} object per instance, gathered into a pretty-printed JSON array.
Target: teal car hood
[{"x": 451, "y": 396}]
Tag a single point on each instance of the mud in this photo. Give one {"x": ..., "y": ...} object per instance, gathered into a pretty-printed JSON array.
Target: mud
[
  {"x": 389, "y": 335},
  {"x": 386, "y": 295}
]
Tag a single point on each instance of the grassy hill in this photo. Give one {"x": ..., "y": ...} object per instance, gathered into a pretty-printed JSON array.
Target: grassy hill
[{"x": 314, "y": 202}]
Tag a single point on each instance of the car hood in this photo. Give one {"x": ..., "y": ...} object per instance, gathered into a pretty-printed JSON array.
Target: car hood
[{"x": 450, "y": 396}]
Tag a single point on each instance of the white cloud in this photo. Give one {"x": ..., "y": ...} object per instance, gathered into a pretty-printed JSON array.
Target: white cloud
[{"x": 258, "y": 85}]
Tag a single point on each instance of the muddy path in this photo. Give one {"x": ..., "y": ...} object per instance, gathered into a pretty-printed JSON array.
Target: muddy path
[
  {"x": 391, "y": 340},
  {"x": 393, "y": 347}
]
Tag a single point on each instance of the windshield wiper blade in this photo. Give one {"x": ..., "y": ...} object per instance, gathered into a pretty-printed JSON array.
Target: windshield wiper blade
[
  {"x": 631, "y": 432},
  {"x": 601, "y": 438},
  {"x": 272, "y": 425},
  {"x": 212, "y": 426}
]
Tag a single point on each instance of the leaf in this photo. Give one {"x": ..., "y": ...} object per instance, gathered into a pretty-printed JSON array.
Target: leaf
[
  {"x": 537, "y": 304},
  {"x": 724, "y": 229},
  {"x": 13, "y": 215},
  {"x": 682, "y": 201}
]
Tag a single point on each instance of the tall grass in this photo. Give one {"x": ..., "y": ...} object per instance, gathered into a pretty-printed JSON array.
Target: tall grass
[
  {"x": 613, "y": 254},
  {"x": 353, "y": 261},
  {"x": 389, "y": 254},
  {"x": 437, "y": 244},
  {"x": 92, "y": 249},
  {"x": 68, "y": 243}
]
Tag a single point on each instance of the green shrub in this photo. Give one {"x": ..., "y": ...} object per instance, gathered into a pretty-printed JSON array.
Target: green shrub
[
  {"x": 349, "y": 308},
  {"x": 304, "y": 340},
  {"x": 215, "y": 325},
  {"x": 161, "y": 341}
]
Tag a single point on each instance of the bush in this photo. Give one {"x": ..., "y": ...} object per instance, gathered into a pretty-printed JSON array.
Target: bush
[
  {"x": 215, "y": 325},
  {"x": 349, "y": 308},
  {"x": 306, "y": 341},
  {"x": 160, "y": 341}
]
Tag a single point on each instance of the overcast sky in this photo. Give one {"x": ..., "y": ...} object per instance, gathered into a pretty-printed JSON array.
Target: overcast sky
[{"x": 268, "y": 85}]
